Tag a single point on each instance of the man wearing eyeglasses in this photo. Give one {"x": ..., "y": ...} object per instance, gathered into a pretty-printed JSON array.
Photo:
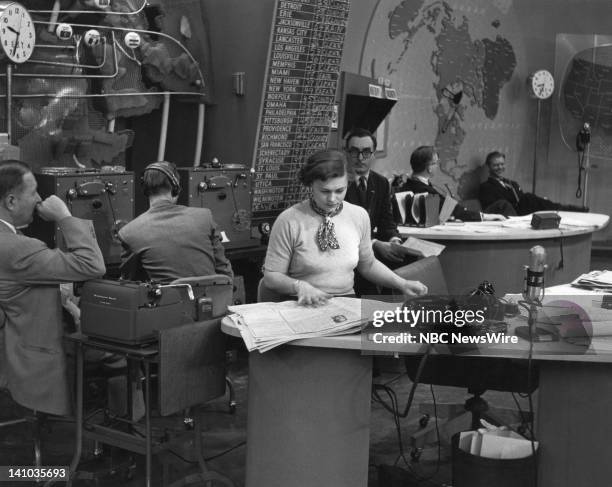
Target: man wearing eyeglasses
[{"x": 372, "y": 192}]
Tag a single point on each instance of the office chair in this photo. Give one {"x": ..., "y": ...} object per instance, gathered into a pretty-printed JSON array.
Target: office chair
[
  {"x": 212, "y": 295},
  {"x": 191, "y": 370},
  {"x": 192, "y": 367},
  {"x": 477, "y": 374}
]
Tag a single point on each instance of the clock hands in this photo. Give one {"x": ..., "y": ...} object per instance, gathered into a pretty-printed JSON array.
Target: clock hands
[
  {"x": 12, "y": 30},
  {"x": 17, "y": 38}
]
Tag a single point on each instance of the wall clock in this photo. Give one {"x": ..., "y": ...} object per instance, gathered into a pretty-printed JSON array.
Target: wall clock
[
  {"x": 541, "y": 84},
  {"x": 17, "y": 32}
]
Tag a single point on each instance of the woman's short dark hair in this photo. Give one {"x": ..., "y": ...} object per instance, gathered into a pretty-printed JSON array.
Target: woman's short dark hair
[
  {"x": 421, "y": 157},
  {"x": 11, "y": 175},
  {"x": 323, "y": 165}
]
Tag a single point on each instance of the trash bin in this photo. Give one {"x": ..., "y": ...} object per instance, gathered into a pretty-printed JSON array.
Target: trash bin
[{"x": 476, "y": 471}]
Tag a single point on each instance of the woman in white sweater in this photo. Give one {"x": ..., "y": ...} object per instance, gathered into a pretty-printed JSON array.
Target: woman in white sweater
[{"x": 316, "y": 244}]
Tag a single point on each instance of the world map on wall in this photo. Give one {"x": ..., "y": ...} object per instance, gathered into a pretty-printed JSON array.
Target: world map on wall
[
  {"x": 452, "y": 64},
  {"x": 586, "y": 96}
]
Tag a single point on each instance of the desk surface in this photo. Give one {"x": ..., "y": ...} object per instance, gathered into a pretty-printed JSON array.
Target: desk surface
[
  {"x": 513, "y": 229},
  {"x": 600, "y": 350}
]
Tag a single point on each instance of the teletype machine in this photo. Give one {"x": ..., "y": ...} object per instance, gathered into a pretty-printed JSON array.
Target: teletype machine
[
  {"x": 106, "y": 198},
  {"x": 134, "y": 312},
  {"x": 226, "y": 191}
]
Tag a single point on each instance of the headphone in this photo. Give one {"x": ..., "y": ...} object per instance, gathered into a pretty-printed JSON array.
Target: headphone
[{"x": 168, "y": 169}]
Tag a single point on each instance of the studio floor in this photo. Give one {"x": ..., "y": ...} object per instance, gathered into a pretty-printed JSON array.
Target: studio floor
[{"x": 224, "y": 436}]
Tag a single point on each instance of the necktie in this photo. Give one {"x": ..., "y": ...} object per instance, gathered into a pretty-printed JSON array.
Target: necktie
[
  {"x": 508, "y": 185},
  {"x": 362, "y": 190}
]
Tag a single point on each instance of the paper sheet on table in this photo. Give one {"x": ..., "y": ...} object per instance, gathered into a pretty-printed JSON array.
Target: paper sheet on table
[
  {"x": 423, "y": 247},
  {"x": 466, "y": 228}
]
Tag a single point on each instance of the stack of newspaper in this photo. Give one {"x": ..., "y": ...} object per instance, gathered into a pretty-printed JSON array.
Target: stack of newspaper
[
  {"x": 264, "y": 326},
  {"x": 595, "y": 280}
]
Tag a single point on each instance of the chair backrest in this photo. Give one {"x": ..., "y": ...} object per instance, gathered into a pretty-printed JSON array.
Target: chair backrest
[
  {"x": 216, "y": 287},
  {"x": 191, "y": 365},
  {"x": 267, "y": 295},
  {"x": 428, "y": 271}
]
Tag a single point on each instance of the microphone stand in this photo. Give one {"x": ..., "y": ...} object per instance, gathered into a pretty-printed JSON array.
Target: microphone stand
[
  {"x": 587, "y": 150},
  {"x": 583, "y": 144}
]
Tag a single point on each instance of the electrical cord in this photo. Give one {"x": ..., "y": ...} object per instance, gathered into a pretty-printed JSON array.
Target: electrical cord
[
  {"x": 393, "y": 407},
  {"x": 412, "y": 389},
  {"x": 112, "y": 209},
  {"x": 522, "y": 413}
]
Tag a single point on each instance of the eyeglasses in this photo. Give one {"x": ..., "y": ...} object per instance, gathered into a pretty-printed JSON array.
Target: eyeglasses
[{"x": 355, "y": 153}]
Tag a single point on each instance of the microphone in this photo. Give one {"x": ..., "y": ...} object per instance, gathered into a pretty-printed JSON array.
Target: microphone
[
  {"x": 583, "y": 138},
  {"x": 534, "y": 279}
]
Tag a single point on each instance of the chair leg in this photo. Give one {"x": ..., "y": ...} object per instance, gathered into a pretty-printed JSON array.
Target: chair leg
[{"x": 207, "y": 476}]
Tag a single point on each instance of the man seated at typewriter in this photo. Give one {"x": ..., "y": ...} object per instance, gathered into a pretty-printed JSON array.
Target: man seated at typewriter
[
  {"x": 424, "y": 161},
  {"x": 498, "y": 189},
  {"x": 170, "y": 241},
  {"x": 32, "y": 359}
]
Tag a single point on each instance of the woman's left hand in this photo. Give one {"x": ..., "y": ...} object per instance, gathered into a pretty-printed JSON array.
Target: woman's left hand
[{"x": 413, "y": 288}]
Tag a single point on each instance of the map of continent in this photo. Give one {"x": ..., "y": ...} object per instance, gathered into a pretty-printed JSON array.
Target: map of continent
[
  {"x": 469, "y": 62},
  {"x": 587, "y": 97}
]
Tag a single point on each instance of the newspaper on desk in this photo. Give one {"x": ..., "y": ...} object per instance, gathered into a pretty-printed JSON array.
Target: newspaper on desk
[
  {"x": 595, "y": 280},
  {"x": 264, "y": 326}
]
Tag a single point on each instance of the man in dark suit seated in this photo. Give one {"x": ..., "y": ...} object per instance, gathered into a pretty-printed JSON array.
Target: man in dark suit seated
[
  {"x": 424, "y": 161},
  {"x": 498, "y": 189},
  {"x": 32, "y": 359},
  {"x": 372, "y": 192},
  {"x": 170, "y": 241}
]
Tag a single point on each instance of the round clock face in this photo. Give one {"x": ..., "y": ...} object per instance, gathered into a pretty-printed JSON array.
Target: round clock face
[
  {"x": 17, "y": 32},
  {"x": 542, "y": 84}
]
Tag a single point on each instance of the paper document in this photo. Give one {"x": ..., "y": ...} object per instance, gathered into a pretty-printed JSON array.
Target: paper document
[
  {"x": 266, "y": 325},
  {"x": 423, "y": 247},
  {"x": 447, "y": 208},
  {"x": 595, "y": 280},
  {"x": 400, "y": 198}
]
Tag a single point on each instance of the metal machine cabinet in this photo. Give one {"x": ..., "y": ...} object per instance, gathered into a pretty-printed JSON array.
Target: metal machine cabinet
[
  {"x": 106, "y": 198},
  {"x": 226, "y": 191}
]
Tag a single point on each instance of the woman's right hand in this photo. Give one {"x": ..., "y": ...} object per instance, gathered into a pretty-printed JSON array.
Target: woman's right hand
[
  {"x": 309, "y": 295},
  {"x": 414, "y": 288}
]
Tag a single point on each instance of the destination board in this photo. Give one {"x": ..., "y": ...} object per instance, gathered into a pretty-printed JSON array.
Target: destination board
[{"x": 298, "y": 98}]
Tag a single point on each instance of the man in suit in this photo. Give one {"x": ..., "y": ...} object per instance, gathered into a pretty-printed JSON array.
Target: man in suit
[
  {"x": 498, "y": 189},
  {"x": 424, "y": 161},
  {"x": 170, "y": 241},
  {"x": 372, "y": 192},
  {"x": 32, "y": 359}
]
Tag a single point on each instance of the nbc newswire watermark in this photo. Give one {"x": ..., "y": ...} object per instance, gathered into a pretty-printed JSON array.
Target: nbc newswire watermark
[
  {"x": 559, "y": 325},
  {"x": 436, "y": 322}
]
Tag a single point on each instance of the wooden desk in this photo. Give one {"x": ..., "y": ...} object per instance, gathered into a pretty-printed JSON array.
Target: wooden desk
[
  {"x": 309, "y": 414},
  {"x": 500, "y": 254}
]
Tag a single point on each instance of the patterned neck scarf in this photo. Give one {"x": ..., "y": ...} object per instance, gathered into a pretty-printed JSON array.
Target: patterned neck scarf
[{"x": 326, "y": 235}]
